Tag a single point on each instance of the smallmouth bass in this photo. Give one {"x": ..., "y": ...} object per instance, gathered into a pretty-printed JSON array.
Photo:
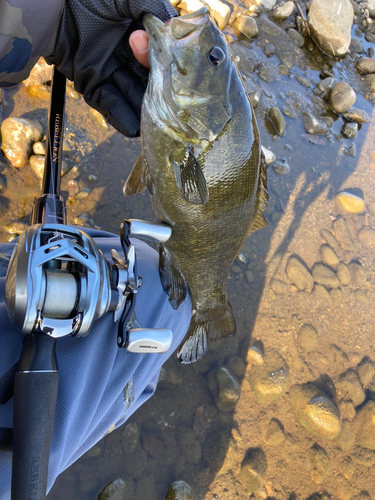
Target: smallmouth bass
[{"x": 201, "y": 163}]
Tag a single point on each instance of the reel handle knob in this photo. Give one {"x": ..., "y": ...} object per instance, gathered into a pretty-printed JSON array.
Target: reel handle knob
[{"x": 147, "y": 340}]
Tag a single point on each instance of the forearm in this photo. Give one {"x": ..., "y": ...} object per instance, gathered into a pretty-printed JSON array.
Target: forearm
[{"x": 27, "y": 31}]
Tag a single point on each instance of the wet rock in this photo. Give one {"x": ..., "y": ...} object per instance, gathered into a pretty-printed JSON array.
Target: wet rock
[
  {"x": 370, "y": 82},
  {"x": 366, "y": 237},
  {"x": 356, "y": 46},
  {"x": 71, "y": 92},
  {"x": 269, "y": 156},
  {"x": 329, "y": 256},
  {"x": 350, "y": 130},
  {"x": 307, "y": 338},
  {"x": 179, "y": 490},
  {"x": 349, "y": 387},
  {"x": 364, "y": 424},
  {"x": 253, "y": 469},
  {"x": 40, "y": 91},
  {"x": 268, "y": 383},
  {"x": 279, "y": 286},
  {"x": 236, "y": 365},
  {"x": 39, "y": 148},
  {"x": 83, "y": 193},
  {"x": 323, "y": 275},
  {"x": 18, "y": 136},
  {"x": 366, "y": 373},
  {"x": 283, "y": 11},
  {"x": 330, "y": 25},
  {"x": 130, "y": 437},
  {"x": 247, "y": 26},
  {"x": 347, "y": 410},
  {"x": 99, "y": 118},
  {"x": 326, "y": 85},
  {"x": 297, "y": 38},
  {"x": 268, "y": 71},
  {"x": 255, "y": 356},
  {"x": 315, "y": 411},
  {"x": 281, "y": 167},
  {"x": 357, "y": 115},
  {"x": 361, "y": 297},
  {"x": 320, "y": 461},
  {"x": 274, "y": 434},
  {"x": 342, "y": 234},
  {"x": 299, "y": 274},
  {"x": 357, "y": 274},
  {"x": 37, "y": 165},
  {"x": 218, "y": 10},
  {"x": 336, "y": 295},
  {"x": 225, "y": 388},
  {"x": 266, "y": 5},
  {"x": 350, "y": 150},
  {"x": 249, "y": 276},
  {"x": 40, "y": 74},
  {"x": 349, "y": 202},
  {"x": 329, "y": 238},
  {"x": 189, "y": 445},
  {"x": 320, "y": 292},
  {"x": 314, "y": 125},
  {"x": 269, "y": 49},
  {"x": 342, "y": 97},
  {"x": 366, "y": 65},
  {"x": 255, "y": 98},
  {"x": 303, "y": 81},
  {"x": 113, "y": 491}
]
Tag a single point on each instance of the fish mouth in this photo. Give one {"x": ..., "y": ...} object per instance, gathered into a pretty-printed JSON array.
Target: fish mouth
[{"x": 162, "y": 34}]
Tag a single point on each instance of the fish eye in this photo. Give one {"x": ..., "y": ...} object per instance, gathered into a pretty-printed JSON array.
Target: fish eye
[{"x": 216, "y": 56}]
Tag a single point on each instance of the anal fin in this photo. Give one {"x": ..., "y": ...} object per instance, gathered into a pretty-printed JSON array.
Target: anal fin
[
  {"x": 212, "y": 325},
  {"x": 190, "y": 178},
  {"x": 171, "y": 279}
]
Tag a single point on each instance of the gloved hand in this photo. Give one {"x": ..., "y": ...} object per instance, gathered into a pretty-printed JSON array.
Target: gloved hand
[{"x": 92, "y": 49}]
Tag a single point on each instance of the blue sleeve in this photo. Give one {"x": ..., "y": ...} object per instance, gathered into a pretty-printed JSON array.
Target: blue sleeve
[
  {"x": 27, "y": 31},
  {"x": 93, "y": 370}
]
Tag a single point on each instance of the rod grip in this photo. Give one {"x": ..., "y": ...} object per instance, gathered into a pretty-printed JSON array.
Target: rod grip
[{"x": 34, "y": 404}]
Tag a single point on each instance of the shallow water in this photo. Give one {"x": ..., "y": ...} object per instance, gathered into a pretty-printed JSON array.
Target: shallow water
[{"x": 181, "y": 424}]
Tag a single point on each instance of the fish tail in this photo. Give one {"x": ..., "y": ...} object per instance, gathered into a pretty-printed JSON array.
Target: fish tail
[{"x": 213, "y": 325}]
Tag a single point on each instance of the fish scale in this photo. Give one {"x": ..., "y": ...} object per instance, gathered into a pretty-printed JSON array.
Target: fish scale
[{"x": 201, "y": 161}]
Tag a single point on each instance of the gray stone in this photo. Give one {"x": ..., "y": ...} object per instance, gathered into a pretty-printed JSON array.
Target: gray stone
[
  {"x": 342, "y": 234},
  {"x": 281, "y": 167},
  {"x": 299, "y": 275},
  {"x": 279, "y": 286},
  {"x": 225, "y": 387},
  {"x": 323, "y": 275},
  {"x": 356, "y": 46},
  {"x": 326, "y": 85},
  {"x": 220, "y": 11},
  {"x": 179, "y": 490},
  {"x": 297, "y": 38},
  {"x": 253, "y": 469},
  {"x": 356, "y": 115},
  {"x": 249, "y": 276},
  {"x": 268, "y": 71},
  {"x": 366, "y": 65},
  {"x": 113, "y": 491},
  {"x": 329, "y": 239},
  {"x": 18, "y": 136},
  {"x": 366, "y": 237},
  {"x": 277, "y": 120},
  {"x": 370, "y": 82},
  {"x": 320, "y": 292},
  {"x": 357, "y": 274},
  {"x": 336, "y": 295},
  {"x": 349, "y": 388},
  {"x": 365, "y": 426},
  {"x": 269, "y": 49},
  {"x": 343, "y": 274},
  {"x": 361, "y": 297},
  {"x": 350, "y": 130},
  {"x": 266, "y": 5},
  {"x": 269, "y": 156},
  {"x": 247, "y": 26},
  {"x": 307, "y": 338},
  {"x": 303, "y": 81},
  {"x": 274, "y": 434},
  {"x": 330, "y": 25},
  {"x": 329, "y": 256},
  {"x": 342, "y": 97},
  {"x": 314, "y": 125},
  {"x": 366, "y": 373},
  {"x": 283, "y": 11}
]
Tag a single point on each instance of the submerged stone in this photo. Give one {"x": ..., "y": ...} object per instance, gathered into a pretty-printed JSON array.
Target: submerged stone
[{"x": 179, "y": 490}]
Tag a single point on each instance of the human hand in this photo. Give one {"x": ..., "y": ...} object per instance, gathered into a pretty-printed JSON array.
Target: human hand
[{"x": 94, "y": 49}]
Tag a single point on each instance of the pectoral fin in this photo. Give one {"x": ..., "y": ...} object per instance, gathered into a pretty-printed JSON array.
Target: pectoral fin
[
  {"x": 134, "y": 184},
  {"x": 190, "y": 178}
]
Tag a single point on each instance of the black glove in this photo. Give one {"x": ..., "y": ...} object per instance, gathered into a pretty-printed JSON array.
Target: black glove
[{"x": 92, "y": 49}]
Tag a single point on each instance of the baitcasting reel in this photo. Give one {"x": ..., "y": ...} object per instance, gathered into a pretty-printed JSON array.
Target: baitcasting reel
[{"x": 59, "y": 283}]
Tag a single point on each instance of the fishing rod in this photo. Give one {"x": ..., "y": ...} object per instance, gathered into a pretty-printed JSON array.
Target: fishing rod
[{"x": 58, "y": 283}]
